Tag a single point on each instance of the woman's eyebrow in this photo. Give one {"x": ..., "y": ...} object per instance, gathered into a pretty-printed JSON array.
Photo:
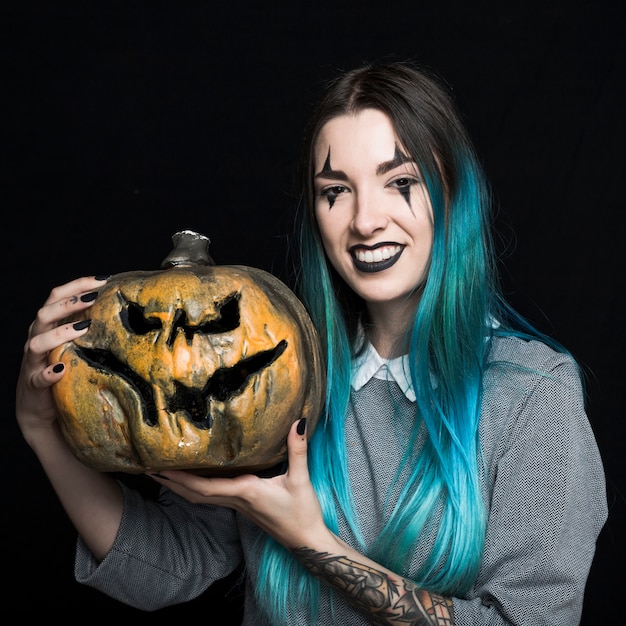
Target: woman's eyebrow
[
  {"x": 328, "y": 172},
  {"x": 398, "y": 159},
  {"x": 333, "y": 174}
]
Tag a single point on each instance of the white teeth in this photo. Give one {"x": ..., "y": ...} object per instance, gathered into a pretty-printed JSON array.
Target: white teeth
[{"x": 380, "y": 254}]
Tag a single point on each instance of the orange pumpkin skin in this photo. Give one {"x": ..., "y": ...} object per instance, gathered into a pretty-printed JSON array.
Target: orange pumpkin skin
[{"x": 198, "y": 367}]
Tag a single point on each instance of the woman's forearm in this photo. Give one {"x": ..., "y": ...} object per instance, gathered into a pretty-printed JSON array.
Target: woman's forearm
[
  {"x": 92, "y": 500},
  {"x": 384, "y": 597}
]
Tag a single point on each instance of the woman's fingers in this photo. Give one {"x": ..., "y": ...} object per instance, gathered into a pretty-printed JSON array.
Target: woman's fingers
[
  {"x": 197, "y": 488},
  {"x": 39, "y": 345},
  {"x": 74, "y": 287},
  {"x": 59, "y": 319},
  {"x": 49, "y": 330},
  {"x": 297, "y": 451},
  {"x": 66, "y": 302}
]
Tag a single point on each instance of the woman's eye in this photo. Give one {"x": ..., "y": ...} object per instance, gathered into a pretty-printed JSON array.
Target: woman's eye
[
  {"x": 331, "y": 193},
  {"x": 404, "y": 182}
]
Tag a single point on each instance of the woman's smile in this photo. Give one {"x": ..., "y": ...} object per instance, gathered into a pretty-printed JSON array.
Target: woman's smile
[{"x": 375, "y": 258}]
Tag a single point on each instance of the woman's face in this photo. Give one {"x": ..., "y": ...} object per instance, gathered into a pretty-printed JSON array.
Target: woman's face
[{"x": 373, "y": 210}]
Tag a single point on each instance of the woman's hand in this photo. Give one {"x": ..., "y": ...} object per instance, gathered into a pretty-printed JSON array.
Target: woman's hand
[
  {"x": 35, "y": 407},
  {"x": 284, "y": 506},
  {"x": 92, "y": 500}
]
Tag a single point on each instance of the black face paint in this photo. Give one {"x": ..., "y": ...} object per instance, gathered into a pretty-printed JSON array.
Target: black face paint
[
  {"x": 331, "y": 196},
  {"x": 399, "y": 158},
  {"x": 405, "y": 192},
  {"x": 327, "y": 168}
]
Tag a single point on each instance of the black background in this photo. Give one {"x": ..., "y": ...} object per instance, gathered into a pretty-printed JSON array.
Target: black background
[{"x": 123, "y": 122}]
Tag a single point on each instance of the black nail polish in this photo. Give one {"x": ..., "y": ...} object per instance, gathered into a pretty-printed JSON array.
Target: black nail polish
[
  {"x": 102, "y": 276},
  {"x": 58, "y": 367},
  {"x": 82, "y": 324},
  {"x": 89, "y": 297},
  {"x": 301, "y": 427}
]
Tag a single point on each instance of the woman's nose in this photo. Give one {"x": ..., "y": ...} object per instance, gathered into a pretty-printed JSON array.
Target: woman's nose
[{"x": 369, "y": 216}]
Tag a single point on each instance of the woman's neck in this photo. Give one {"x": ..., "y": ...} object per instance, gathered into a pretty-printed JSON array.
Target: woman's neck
[{"x": 387, "y": 326}]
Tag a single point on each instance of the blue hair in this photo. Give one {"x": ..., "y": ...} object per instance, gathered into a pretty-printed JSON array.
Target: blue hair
[{"x": 447, "y": 349}]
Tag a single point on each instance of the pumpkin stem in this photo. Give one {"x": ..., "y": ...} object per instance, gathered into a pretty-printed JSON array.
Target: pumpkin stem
[{"x": 190, "y": 248}]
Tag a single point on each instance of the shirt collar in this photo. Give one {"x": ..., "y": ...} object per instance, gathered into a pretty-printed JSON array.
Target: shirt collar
[{"x": 369, "y": 364}]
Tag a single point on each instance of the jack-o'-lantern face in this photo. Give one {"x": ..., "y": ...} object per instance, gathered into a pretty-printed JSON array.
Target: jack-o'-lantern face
[{"x": 196, "y": 366}]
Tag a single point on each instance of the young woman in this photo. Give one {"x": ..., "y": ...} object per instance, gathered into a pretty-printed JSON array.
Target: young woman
[{"x": 453, "y": 477}]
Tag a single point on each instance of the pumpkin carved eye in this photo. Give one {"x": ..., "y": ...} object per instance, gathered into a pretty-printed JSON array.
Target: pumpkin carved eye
[
  {"x": 194, "y": 366},
  {"x": 136, "y": 321}
]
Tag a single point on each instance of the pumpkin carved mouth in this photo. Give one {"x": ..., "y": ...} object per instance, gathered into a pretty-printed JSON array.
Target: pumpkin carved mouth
[{"x": 225, "y": 383}]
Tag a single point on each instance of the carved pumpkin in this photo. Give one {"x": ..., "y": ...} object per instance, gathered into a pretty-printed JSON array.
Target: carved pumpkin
[{"x": 193, "y": 366}]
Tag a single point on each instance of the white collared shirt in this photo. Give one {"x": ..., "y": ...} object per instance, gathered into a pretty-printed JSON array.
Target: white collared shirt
[{"x": 369, "y": 364}]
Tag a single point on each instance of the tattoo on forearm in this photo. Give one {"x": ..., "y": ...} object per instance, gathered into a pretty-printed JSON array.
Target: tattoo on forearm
[{"x": 376, "y": 594}]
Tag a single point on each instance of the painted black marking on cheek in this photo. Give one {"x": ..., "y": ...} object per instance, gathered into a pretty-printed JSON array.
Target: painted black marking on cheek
[
  {"x": 405, "y": 192},
  {"x": 331, "y": 199},
  {"x": 400, "y": 157}
]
